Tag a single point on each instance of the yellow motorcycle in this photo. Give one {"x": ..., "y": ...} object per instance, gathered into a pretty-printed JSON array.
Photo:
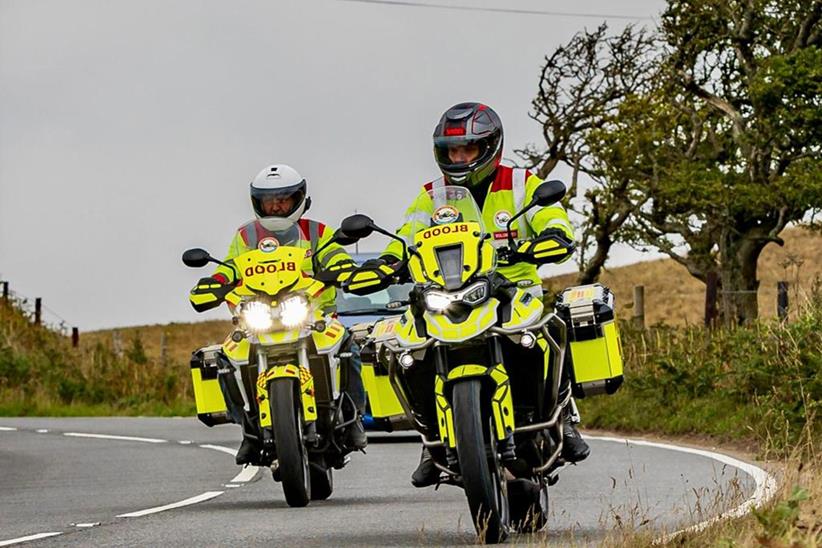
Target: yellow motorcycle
[
  {"x": 281, "y": 361},
  {"x": 476, "y": 360}
]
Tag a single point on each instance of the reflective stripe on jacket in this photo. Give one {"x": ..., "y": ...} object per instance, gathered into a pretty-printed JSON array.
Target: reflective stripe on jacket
[{"x": 510, "y": 191}]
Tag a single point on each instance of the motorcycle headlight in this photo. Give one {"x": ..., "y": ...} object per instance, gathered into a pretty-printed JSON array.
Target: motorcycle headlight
[
  {"x": 294, "y": 311},
  {"x": 437, "y": 301},
  {"x": 476, "y": 293},
  {"x": 257, "y": 316}
]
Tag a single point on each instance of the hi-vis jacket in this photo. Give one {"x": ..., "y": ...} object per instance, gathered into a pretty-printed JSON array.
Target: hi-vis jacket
[
  {"x": 510, "y": 191},
  {"x": 252, "y": 233}
]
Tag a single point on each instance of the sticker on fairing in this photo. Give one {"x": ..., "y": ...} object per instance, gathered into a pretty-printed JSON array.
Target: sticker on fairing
[
  {"x": 269, "y": 244},
  {"x": 445, "y": 214}
]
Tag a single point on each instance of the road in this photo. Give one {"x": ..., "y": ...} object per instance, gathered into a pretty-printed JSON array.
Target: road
[{"x": 57, "y": 479}]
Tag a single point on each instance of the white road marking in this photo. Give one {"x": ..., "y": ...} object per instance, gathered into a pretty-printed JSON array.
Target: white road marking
[
  {"x": 246, "y": 474},
  {"x": 187, "y": 502},
  {"x": 229, "y": 450},
  {"x": 764, "y": 491},
  {"x": 94, "y": 524},
  {"x": 111, "y": 437},
  {"x": 8, "y": 429},
  {"x": 28, "y": 538},
  {"x": 42, "y": 431},
  {"x": 185, "y": 442}
]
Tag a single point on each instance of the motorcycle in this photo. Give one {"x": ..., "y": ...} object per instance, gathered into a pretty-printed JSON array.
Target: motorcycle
[
  {"x": 280, "y": 363},
  {"x": 476, "y": 360}
]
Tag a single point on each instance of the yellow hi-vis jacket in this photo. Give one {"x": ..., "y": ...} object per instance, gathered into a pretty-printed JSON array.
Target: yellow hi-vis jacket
[
  {"x": 250, "y": 235},
  {"x": 510, "y": 191}
]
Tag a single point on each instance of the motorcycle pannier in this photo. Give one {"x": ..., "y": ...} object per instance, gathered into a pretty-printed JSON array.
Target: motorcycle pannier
[
  {"x": 211, "y": 408},
  {"x": 593, "y": 336}
]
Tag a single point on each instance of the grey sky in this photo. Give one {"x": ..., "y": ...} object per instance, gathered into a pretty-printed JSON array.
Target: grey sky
[{"x": 129, "y": 130}]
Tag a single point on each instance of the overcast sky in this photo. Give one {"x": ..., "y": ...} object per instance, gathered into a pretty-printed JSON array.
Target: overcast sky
[{"x": 129, "y": 130}]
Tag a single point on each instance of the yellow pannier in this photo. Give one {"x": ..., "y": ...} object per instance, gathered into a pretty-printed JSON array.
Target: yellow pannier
[
  {"x": 593, "y": 336},
  {"x": 211, "y": 408}
]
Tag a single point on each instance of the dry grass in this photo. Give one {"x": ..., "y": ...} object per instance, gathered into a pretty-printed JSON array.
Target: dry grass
[{"x": 674, "y": 297}]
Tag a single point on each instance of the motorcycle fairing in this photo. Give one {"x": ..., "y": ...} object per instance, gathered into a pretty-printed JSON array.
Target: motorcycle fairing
[
  {"x": 477, "y": 254},
  {"x": 330, "y": 339},
  {"x": 237, "y": 352},
  {"x": 406, "y": 331},
  {"x": 525, "y": 310},
  {"x": 289, "y": 371},
  {"x": 502, "y": 404},
  {"x": 479, "y": 320}
]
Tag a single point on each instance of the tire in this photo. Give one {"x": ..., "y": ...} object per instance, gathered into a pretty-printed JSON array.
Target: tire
[
  {"x": 286, "y": 419},
  {"x": 322, "y": 480},
  {"x": 481, "y": 476},
  {"x": 528, "y": 504}
]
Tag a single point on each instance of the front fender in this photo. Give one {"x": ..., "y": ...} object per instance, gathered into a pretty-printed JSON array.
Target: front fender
[
  {"x": 502, "y": 404},
  {"x": 299, "y": 374}
]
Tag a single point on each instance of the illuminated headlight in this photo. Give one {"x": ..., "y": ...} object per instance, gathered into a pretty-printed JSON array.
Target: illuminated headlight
[
  {"x": 437, "y": 301},
  {"x": 476, "y": 293},
  {"x": 257, "y": 316},
  {"x": 294, "y": 311}
]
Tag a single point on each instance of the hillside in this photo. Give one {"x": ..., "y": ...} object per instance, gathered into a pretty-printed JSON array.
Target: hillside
[{"x": 674, "y": 297}]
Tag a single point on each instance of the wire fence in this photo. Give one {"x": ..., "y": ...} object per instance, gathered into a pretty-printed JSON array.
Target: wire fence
[{"x": 38, "y": 313}]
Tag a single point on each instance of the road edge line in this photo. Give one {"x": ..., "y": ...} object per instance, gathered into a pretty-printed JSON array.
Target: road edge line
[{"x": 765, "y": 483}]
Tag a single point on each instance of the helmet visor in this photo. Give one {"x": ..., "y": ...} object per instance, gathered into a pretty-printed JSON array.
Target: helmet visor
[
  {"x": 277, "y": 202},
  {"x": 458, "y": 155}
]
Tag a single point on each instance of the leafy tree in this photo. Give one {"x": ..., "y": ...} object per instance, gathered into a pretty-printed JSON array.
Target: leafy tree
[
  {"x": 719, "y": 149},
  {"x": 582, "y": 86}
]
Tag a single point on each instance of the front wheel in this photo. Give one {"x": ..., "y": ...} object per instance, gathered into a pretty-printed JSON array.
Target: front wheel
[
  {"x": 287, "y": 422},
  {"x": 482, "y": 476}
]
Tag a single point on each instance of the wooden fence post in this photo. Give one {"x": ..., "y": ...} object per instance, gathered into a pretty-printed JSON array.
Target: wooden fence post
[
  {"x": 38, "y": 310},
  {"x": 711, "y": 284},
  {"x": 163, "y": 348},
  {"x": 6, "y": 291},
  {"x": 117, "y": 344},
  {"x": 75, "y": 337},
  {"x": 782, "y": 300},
  {"x": 639, "y": 305}
]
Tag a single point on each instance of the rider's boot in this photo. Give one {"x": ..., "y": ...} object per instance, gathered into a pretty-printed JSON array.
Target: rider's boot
[
  {"x": 356, "y": 435},
  {"x": 248, "y": 453},
  {"x": 574, "y": 448},
  {"x": 426, "y": 473}
]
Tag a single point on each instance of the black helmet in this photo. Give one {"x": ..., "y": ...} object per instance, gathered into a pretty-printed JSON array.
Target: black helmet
[{"x": 465, "y": 124}]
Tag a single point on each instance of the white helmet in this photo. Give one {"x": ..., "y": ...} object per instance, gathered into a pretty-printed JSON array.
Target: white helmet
[{"x": 281, "y": 184}]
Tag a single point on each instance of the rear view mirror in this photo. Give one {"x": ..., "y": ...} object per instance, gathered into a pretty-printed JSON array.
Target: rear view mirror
[
  {"x": 549, "y": 192},
  {"x": 357, "y": 227},
  {"x": 342, "y": 239},
  {"x": 196, "y": 258}
]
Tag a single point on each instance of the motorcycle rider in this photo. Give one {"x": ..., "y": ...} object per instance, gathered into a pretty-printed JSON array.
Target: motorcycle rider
[
  {"x": 279, "y": 198},
  {"x": 468, "y": 149}
]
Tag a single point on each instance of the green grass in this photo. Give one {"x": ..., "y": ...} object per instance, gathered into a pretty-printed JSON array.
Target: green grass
[
  {"x": 760, "y": 384},
  {"x": 41, "y": 374}
]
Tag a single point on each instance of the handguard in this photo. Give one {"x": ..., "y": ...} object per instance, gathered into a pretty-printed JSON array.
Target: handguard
[
  {"x": 551, "y": 246},
  {"x": 371, "y": 277},
  {"x": 208, "y": 293},
  {"x": 336, "y": 273}
]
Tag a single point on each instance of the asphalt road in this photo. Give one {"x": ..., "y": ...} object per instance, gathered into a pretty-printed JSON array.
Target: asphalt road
[{"x": 78, "y": 486}]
